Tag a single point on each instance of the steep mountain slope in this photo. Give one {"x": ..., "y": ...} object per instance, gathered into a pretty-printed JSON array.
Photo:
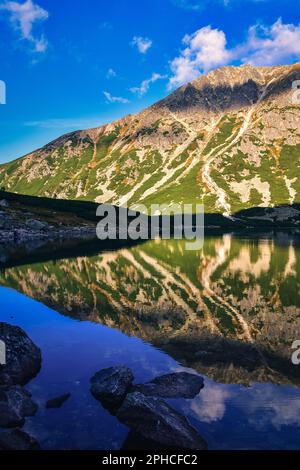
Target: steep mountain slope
[{"x": 230, "y": 139}]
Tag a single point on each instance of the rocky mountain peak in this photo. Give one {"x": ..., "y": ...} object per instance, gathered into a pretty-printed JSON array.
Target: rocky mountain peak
[
  {"x": 229, "y": 87},
  {"x": 229, "y": 139}
]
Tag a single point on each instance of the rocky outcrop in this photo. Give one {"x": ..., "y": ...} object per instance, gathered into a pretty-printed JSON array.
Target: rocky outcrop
[
  {"x": 20, "y": 225},
  {"x": 15, "y": 405},
  {"x": 176, "y": 385},
  {"x": 111, "y": 385},
  {"x": 23, "y": 357},
  {"x": 21, "y": 361},
  {"x": 18, "y": 440},
  {"x": 154, "y": 419}
]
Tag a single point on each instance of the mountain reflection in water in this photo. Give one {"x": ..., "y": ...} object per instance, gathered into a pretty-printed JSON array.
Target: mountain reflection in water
[{"x": 230, "y": 310}]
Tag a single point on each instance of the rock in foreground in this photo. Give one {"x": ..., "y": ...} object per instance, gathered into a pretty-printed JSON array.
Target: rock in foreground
[
  {"x": 175, "y": 385},
  {"x": 17, "y": 440},
  {"x": 15, "y": 405},
  {"x": 58, "y": 401},
  {"x": 154, "y": 419},
  {"x": 110, "y": 386},
  {"x": 23, "y": 357}
]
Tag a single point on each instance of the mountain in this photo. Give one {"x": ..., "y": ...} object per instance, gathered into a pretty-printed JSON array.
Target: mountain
[{"x": 229, "y": 139}]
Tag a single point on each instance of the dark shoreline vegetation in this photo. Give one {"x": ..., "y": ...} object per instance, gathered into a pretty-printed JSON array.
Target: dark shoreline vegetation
[
  {"x": 282, "y": 216},
  {"x": 37, "y": 228},
  {"x": 263, "y": 217}
]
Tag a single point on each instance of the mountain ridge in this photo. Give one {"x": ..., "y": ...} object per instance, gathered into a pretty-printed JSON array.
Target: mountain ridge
[{"x": 230, "y": 139}]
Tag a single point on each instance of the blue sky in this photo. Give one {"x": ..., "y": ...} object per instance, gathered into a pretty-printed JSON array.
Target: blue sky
[{"x": 71, "y": 64}]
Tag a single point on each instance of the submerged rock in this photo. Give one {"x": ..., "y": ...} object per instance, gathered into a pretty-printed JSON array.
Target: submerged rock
[
  {"x": 23, "y": 357},
  {"x": 18, "y": 440},
  {"x": 36, "y": 224},
  {"x": 110, "y": 386},
  {"x": 15, "y": 405},
  {"x": 58, "y": 401},
  {"x": 154, "y": 419},
  {"x": 175, "y": 385},
  {"x": 4, "y": 203}
]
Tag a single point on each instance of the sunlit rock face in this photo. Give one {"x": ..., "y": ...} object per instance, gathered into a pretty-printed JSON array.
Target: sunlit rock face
[
  {"x": 230, "y": 310},
  {"x": 229, "y": 139}
]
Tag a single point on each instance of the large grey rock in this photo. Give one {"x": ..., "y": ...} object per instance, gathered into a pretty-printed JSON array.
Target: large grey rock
[
  {"x": 110, "y": 386},
  {"x": 154, "y": 419},
  {"x": 17, "y": 440},
  {"x": 175, "y": 385},
  {"x": 15, "y": 405},
  {"x": 23, "y": 357}
]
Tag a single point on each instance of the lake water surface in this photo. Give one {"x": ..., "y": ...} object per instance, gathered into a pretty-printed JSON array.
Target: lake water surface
[{"x": 229, "y": 312}]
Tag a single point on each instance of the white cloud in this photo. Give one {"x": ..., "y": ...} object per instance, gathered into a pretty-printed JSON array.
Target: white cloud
[
  {"x": 115, "y": 99},
  {"x": 269, "y": 45},
  {"x": 207, "y": 48},
  {"x": 282, "y": 405},
  {"x": 143, "y": 44},
  {"x": 111, "y": 73},
  {"x": 144, "y": 86},
  {"x": 23, "y": 16},
  {"x": 210, "y": 405}
]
